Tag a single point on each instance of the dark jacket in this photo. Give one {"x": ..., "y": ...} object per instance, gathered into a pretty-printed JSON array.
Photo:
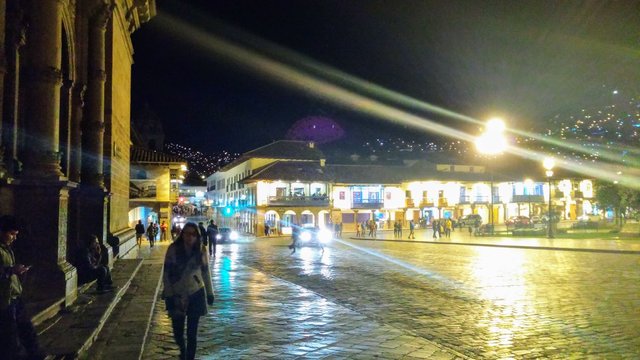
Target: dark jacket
[
  {"x": 139, "y": 229},
  {"x": 203, "y": 233},
  {"x": 212, "y": 231}
]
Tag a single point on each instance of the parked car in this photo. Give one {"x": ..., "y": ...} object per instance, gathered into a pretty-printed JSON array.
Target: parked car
[
  {"x": 555, "y": 217},
  {"x": 226, "y": 235},
  {"x": 536, "y": 219},
  {"x": 518, "y": 221},
  {"x": 469, "y": 220}
]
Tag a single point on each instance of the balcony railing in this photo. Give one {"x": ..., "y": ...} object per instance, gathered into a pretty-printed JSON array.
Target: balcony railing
[
  {"x": 299, "y": 200},
  {"x": 367, "y": 204},
  {"x": 528, "y": 199},
  {"x": 479, "y": 199}
]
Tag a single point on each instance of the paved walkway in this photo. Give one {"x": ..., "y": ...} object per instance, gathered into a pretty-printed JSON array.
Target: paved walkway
[
  {"x": 463, "y": 238},
  {"x": 257, "y": 316},
  {"x": 125, "y": 332}
]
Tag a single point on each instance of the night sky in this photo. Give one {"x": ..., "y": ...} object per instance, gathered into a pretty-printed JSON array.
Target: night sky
[{"x": 522, "y": 60}]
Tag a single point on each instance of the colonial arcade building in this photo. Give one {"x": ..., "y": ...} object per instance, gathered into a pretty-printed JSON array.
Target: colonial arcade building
[
  {"x": 294, "y": 184},
  {"x": 65, "y": 97}
]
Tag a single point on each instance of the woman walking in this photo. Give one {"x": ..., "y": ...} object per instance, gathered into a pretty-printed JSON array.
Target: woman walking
[{"x": 187, "y": 287}]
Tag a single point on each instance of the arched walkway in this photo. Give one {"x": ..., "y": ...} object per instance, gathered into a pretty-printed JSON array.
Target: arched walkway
[
  {"x": 323, "y": 218},
  {"x": 307, "y": 218}
]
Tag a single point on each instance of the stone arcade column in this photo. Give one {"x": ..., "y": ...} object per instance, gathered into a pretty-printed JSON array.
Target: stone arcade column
[
  {"x": 77, "y": 105},
  {"x": 16, "y": 38},
  {"x": 93, "y": 197},
  {"x": 3, "y": 71},
  {"x": 42, "y": 194}
]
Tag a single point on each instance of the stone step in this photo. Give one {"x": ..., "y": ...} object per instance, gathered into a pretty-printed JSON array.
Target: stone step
[
  {"x": 73, "y": 330},
  {"x": 125, "y": 333}
]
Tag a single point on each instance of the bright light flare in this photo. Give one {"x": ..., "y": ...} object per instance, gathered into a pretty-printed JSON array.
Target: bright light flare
[
  {"x": 305, "y": 236},
  {"x": 496, "y": 125},
  {"x": 234, "y": 235},
  {"x": 325, "y": 236},
  {"x": 549, "y": 163},
  {"x": 491, "y": 143}
]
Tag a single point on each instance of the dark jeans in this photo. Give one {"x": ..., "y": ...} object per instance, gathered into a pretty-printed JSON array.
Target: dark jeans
[
  {"x": 102, "y": 275},
  {"x": 212, "y": 248},
  {"x": 192, "y": 317},
  {"x": 189, "y": 351},
  {"x": 18, "y": 338}
]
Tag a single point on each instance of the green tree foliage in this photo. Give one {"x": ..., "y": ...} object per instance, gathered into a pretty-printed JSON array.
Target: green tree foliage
[{"x": 621, "y": 200}]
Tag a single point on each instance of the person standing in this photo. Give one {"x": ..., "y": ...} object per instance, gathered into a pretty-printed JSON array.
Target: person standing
[
  {"x": 187, "y": 287},
  {"x": 412, "y": 228},
  {"x": 139, "y": 232},
  {"x": 151, "y": 233},
  {"x": 17, "y": 334},
  {"x": 448, "y": 225},
  {"x": 163, "y": 231},
  {"x": 203, "y": 233},
  {"x": 434, "y": 227},
  {"x": 212, "y": 233}
]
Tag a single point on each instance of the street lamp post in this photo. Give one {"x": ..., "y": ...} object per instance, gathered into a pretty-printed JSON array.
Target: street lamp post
[
  {"x": 548, "y": 164},
  {"x": 492, "y": 142}
]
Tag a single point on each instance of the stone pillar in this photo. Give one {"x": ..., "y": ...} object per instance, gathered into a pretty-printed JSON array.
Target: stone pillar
[
  {"x": 92, "y": 196},
  {"x": 93, "y": 122},
  {"x": 77, "y": 104},
  {"x": 3, "y": 70},
  {"x": 65, "y": 126},
  {"x": 16, "y": 38},
  {"x": 42, "y": 95},
  {"x": 42, "y": 192}
]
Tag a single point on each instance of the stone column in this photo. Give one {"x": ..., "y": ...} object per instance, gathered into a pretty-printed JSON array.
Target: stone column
[
  {"x": 42, "y": 193},
  {"x": 65, "y": 126},
  {"x": 3, "y": 70},
  {"x": 92, "y": 196},
  {"x": 77, "y": 104},
  {"x": 16, "y": 38},
  {"x": 93, "y": 122},
  {"x": 42, "y": 95}
]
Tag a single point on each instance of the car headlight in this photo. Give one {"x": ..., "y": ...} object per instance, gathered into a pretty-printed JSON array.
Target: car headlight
[
  {"x": 305, "y": 236},
  {"x": 218, "y": 236},
  {"x": 325, "y": 235},
  {"x": 233, "y": 235}
]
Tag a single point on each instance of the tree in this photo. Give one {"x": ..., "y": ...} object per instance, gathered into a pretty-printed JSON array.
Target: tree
[
  {"x": 608, "y": 197},
  {"x": 617, "y": 198}
]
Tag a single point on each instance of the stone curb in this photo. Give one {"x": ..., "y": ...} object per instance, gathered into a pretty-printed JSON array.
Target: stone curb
[
  {"x": 151, "y": 312},
  {"x": 528, "y": 247}
]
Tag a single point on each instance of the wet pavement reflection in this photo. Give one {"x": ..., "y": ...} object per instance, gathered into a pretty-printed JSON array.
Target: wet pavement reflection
[{"x": 407, "y": 300}]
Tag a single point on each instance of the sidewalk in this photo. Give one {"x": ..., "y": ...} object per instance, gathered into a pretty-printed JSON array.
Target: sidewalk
[
  {"x": 125, "y": 332},
  {"x": 625, "y": 246}
]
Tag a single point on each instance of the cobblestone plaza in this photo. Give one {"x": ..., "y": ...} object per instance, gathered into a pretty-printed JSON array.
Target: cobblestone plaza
[{"x": 366, "y": 299}]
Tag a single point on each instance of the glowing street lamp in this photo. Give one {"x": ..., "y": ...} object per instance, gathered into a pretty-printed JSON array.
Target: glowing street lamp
[
  {"x": 549, "y": 163},
  {"x": 492, "y": 142}
]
